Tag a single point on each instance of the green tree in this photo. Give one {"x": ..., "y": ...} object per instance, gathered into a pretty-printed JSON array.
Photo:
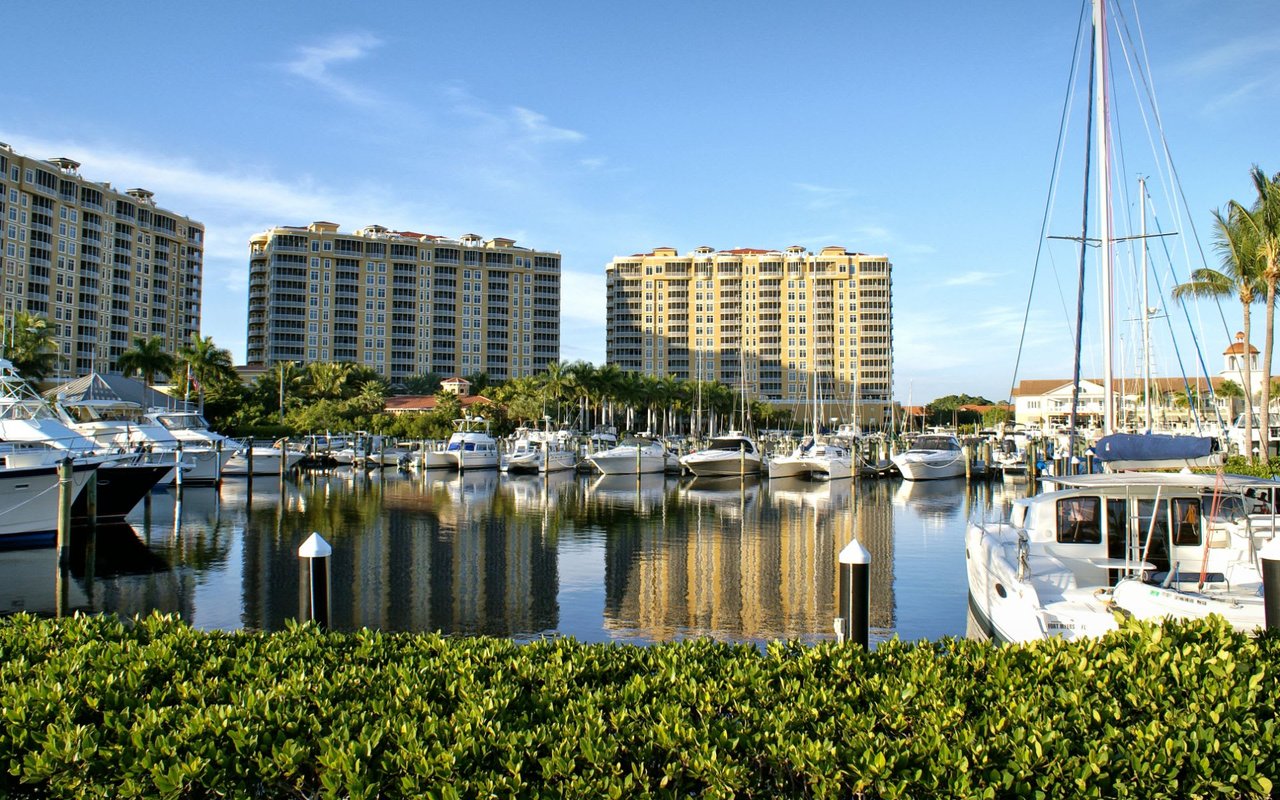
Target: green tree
[
  {"x": 1240, "y": 275},
  {"x": 30, "y": 346},
  {"x": 328, "y": 380},
  {"x": 148, "y": 358},
  {"x": 1264, "y": 223},
  {"x": 946, "y": 410},
  {"x": 555, "y": 385},
  {"x": 208, "y": 364},
  {"x": 995, "y": 416},
  {"x": 426, "y": 383}
]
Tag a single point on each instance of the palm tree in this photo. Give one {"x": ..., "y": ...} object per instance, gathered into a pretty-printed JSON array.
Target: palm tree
[
  {"x": 555, "y": 380},
  {"x": 280, "y": 380},
  {"x": 148, "y": 357},
  {"x": 30, "y": 346},
  {"x": 580, "y": 385},
  {"x": 1240, "y": 276},
  {"x": 204, "y": 361},
  {"x": 1264, "y": 222},
  {"x": 328, "y": 380}
]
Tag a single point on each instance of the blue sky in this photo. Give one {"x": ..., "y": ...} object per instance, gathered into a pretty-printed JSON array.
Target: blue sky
[{"x": 926, "y": 131}]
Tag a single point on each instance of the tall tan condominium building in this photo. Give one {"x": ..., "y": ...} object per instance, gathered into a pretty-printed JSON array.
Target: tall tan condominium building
[
  {"x": 103, "y": 266},
  {"x": 402, "y": 303},
  {"x": 768, "y": 319}
]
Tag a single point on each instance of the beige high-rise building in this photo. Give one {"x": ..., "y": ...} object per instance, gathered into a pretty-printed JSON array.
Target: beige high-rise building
[
  {"x": 764, "y": 318},
  {"x": 402, "y": 303},
  {"x": 103, "y": 266}
]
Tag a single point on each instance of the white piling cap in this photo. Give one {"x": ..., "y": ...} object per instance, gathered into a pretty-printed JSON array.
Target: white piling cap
[
  {"x": 1271, "y": 550},
  {"x": 854, "y": 553},
  {"x": 315, "y": 547}
]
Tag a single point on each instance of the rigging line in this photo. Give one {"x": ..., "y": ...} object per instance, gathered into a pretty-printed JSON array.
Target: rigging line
[
  {"x": 1180, "y": 193},
  {"x": 1140, "y": 69},
  {"x": 1053, "y": 177},
  {"x": 1175, "y": 196},
  {"x": 1182, "y": 304}
]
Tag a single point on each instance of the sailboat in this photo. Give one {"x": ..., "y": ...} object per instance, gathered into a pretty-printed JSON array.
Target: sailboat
[
  {"x": 1150, "y": 544},
  {"x": 734, "y": 453},
  {"x": 816, "y": 457}
]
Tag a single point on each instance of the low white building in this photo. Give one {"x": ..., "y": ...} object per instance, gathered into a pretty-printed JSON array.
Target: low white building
[{"x": 1046, "y": 403}]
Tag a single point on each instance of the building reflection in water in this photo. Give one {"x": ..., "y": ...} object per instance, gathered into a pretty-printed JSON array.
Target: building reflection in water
[
  {"x": 440, "y": 552},
  {"x": 636, "y": 558},
  {"x": 719, "y": 561}
]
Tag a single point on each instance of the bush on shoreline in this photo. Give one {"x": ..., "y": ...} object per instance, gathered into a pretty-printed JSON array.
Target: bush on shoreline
[{"x": 96, "y": 707}]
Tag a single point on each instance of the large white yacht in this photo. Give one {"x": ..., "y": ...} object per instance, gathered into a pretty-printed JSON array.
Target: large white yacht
[
  {"x": 931, "y": 457},
  {"x": 814, "y": 458},
  {"x": 635, "y": 455},
  {"x": 32, "y": 434},
  {"x": 735, "y": 453},
  {"x": 540, "y": 452},
  {"x": 30, "y": 502},
  {"x": 472, "y": 448},
  {"x": 1151, "y": 544}
]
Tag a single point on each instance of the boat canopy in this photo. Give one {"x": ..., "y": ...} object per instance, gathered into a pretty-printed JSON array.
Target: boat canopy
[{"x": 1153, "y": 447}]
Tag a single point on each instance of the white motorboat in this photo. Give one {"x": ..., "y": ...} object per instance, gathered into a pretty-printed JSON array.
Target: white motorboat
[
  {"x": 534, "y": 451},
  {"x": 732, "y": 454},
  {"x": 208, "y": 451},
  {"x": 635, "y": 455},
  {"x": 433, "y": 455},
  {"x": 1153, "y": 545},
  {"x": 266, "y": 459},
  {"x": 471, "y": 448},
  {"x": 931, "y": 457},
  {"x": 815, "y": 459},
  {"x": 818, "y": 457},
  {"x": 32, "y": 434}
]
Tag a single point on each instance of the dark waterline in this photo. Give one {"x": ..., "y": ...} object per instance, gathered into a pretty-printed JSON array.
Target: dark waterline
[{"x": 597, "y": 558}]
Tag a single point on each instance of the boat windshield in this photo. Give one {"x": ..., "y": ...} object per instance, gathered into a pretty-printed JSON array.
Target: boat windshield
[
  {"x": 183, "y": 422},
  {"x": 730, "y": 444},
  {"x": 935, "y": 443}
]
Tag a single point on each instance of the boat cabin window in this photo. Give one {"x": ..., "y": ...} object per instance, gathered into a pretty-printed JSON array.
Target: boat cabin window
[
  {"x": 934, "y": 443},
  {"x": 1117, "y": 530},
  {"x": 1186, "y": 519},
  {"x": 1079, "y": 520},
  {"x": 1231, "y": 508}
]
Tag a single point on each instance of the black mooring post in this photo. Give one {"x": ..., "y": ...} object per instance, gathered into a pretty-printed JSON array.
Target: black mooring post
[
  {"x": 855, "y": 594},
  {"x": 1270, "y": 555}
]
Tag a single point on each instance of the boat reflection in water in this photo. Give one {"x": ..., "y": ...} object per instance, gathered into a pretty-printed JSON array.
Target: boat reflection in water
[
  {"x": 638, "y": 558},
  {"x": 642, "y": 493}
]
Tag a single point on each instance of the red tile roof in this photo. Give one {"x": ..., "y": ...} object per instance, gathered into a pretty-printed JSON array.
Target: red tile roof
[{"x": 427, "y": 402}]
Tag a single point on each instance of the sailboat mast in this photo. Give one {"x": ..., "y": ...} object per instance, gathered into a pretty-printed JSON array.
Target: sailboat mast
[
  {"x": 1146, "y": 311},
  {"x": 1103, "y": 120}
]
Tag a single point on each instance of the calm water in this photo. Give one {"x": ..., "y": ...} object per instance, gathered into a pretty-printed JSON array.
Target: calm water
[{"x": 597, "y": 558}]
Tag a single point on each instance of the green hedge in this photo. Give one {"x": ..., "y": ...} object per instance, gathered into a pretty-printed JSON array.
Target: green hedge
[{"x": 98, "y": 707}]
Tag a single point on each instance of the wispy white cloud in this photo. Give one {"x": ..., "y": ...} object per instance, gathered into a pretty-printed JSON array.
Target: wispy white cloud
[
  {"x": 971, "y": 278},
  {"x": 511, "y": 129},
  {"x": 1244, "y": 52},
  {"x": 234, "y": 202},
  {"x": 1240, "y": 95},
  {"x": 537, "y": 128},
  {"x": 820, "y": 198},
  {"x": 316, "y": 63}
]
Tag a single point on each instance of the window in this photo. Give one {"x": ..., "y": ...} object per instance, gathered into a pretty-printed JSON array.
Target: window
[
  {"x": 1078, "y": 520},
  {"x": 1186, "y": 519}
]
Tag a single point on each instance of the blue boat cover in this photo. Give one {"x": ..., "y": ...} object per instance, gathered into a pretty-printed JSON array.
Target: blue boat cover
[{"x": 1153, "y": 447}]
